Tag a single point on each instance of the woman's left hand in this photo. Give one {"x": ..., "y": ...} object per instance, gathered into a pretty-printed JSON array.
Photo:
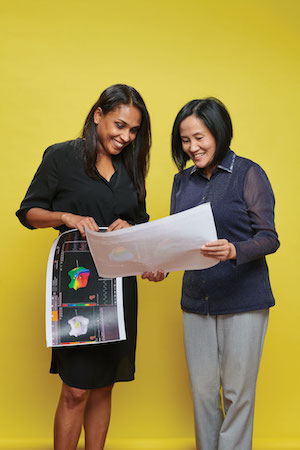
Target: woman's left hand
[
  {"x": 118, "y": 225},
  {"x": 154, "y": 276},
  {"x": 220, "y": 249}
]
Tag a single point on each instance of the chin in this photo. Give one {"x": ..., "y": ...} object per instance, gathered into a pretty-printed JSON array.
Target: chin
[
  {"x": 114, "y": 151},
  {"x": 199, "y": 165}
]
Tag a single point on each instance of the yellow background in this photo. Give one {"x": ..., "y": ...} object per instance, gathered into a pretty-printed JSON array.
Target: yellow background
[{"x": 56, "y": 59}]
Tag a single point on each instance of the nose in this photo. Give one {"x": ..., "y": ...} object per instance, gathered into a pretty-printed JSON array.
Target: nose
[
  {"x": 125, "y": 136},
  {"x": 194, "y": 146}
]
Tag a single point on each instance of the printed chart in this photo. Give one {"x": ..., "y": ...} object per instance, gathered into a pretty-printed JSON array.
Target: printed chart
[{"x": 81, "y": 307}]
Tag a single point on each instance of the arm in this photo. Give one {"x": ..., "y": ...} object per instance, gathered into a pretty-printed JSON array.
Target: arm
[
  {"x": 36, "y": 208},
  {"x": 41, "y": 193},
  {"x": 260, "y": 202},
  {"x": 42, "y": 218}
]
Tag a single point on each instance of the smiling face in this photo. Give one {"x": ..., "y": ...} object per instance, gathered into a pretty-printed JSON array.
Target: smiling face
[
  {"x": 117, "y": 128},
  {"x": 198, "y": 143}
]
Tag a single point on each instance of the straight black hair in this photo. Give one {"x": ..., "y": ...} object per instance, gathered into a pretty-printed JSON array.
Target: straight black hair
[
  {"x": 217, "y": 119},
  {"x": 136, "y": 154}
]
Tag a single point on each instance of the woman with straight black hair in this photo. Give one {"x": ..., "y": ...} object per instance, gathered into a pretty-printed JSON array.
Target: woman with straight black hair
[
  {"x": 216, "y": 118},
  {"x": 225, "y": 307},
  {"x": 96, "y": 180}
]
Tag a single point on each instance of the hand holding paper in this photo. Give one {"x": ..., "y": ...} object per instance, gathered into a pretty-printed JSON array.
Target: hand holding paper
[
  {"x": 160, "y": 275},
  {"x": 220, "y": 249},
  {"x": 169, "y": 244}
]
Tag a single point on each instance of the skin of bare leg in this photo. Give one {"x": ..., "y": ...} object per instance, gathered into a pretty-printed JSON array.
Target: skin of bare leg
[
  {"x": 96, "y": 417},
  {"x": 69, "y": 417}
]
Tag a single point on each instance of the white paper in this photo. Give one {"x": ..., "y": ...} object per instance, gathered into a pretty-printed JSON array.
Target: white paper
[
  {"x": 81, "y": 308},
  {"x": 168, "y": 244}
]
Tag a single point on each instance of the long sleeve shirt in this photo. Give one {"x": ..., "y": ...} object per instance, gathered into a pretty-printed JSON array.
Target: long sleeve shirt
[
  {"x": 61, "y": 184},
  {"x": 242, "y": 202}
]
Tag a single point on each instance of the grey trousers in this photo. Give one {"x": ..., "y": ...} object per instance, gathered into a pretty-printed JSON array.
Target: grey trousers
[{"x": 224, "y": 350}]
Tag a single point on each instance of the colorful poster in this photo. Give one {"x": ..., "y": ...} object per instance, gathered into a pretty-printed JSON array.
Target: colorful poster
[{"x": 81, "y": 307}]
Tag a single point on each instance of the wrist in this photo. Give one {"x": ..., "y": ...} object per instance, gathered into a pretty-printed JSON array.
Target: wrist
[
  {"x": 232, "y": 253},
  {"x": 62, "y": 217}
]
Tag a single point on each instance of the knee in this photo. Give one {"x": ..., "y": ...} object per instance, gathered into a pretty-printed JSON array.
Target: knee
[
  {"x": 244, "y": 397},
  {"x": 101, "y": 394},
  {"x": 73, "y": 397},
  {"x": 105, "y": 391},
  {"x": 205, "y": 391}
]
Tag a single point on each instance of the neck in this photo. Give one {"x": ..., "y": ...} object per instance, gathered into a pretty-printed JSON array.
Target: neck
[
  {"x": 208, "y": 171},
  {"x": 105, "y": 166}
]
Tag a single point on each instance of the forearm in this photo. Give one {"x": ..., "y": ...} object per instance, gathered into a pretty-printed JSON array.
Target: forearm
[
  {"x": 260, "y": 203},
  {"x": 256, "y": 248},
  {"x": 42, "y": 218}
]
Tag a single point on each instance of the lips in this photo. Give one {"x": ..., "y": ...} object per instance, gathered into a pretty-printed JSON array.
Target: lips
[
  {"x": 197, "y": 156},
  {"x": 117, "y": 144}
]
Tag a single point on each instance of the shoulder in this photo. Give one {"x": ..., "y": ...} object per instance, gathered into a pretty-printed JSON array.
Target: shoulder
[
  {"x": 72, "y": 149},
  {"x": 252, "y": 174},
  {"x": 245, "y": 164},
  {"x": 183, "y": 175}
]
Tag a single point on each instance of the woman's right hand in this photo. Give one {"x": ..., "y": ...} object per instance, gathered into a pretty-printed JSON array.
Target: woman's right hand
[{"x": 79, "y": 222}]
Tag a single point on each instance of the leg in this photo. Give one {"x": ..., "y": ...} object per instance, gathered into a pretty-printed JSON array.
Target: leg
[
  {"x": 201, "y": 347},
  {"x": 69, "y": 417},
  {"x": 96, "y": 417},
  {"x": 241, "y": 337}
]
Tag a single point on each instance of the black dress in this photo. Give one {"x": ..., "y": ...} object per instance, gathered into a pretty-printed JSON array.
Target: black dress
[{"x": 61, "y": 184}]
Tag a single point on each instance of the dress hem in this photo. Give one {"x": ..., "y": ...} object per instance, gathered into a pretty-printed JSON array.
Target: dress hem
[{"x": 94, "y": 387}]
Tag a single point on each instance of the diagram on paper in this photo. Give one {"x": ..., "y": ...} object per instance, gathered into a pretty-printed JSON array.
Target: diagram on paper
[{"x": 81, "y": 307}]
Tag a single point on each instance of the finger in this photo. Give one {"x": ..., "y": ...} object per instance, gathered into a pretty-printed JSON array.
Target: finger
[
  {"x": 158, "y": 278},
  {"x": 80, "y": 228},
  {"x": 214, "y": 254},
  {"x": 119, "y": 226},
  {"x": 145, "y": 275},
  {"x": 213, "y": 250},
  {"x": 217, "y": 243},
  {"x": 88, "y": 223},
  {"x": 222, "y": 256},
  {"x": 151, "y": 276},
  {"x": 93, "y": 224},
  {"x": 160, "y": 275},
  {"x": 113, "y": 225}
]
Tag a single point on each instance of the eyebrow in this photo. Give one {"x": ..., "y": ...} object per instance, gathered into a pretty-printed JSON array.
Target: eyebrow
[
  {"x": 123, "y": 121},
  {"x": 198, "y": 132}
]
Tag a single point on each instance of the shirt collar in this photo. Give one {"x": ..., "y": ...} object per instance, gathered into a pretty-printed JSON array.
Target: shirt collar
[{"x": 226, "y": 163}]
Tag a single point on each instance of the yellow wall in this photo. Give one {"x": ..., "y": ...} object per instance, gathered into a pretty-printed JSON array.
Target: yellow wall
[{"x": 56, "y": 59}]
